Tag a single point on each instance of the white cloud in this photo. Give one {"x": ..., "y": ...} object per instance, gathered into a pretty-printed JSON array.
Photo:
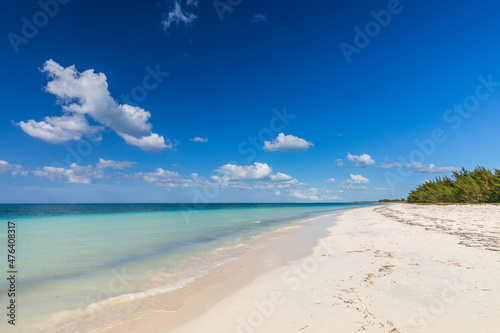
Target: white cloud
[
  {"x": 57, "y": 130},
  {"x": 356, "y": 179},
  {"x": 4, "y": 166},
  {"x": 430, "y": 168},
  {"x": 352, "y": 187},
  {"x": 300, "y": 195},
  {"x": 86, "y": 93},
  {"x": 168, "y": 179},
  {"x": 331, "y": 180},
  {"x": 75, "y": 174},
  {"x": 178, "y": 14},
  {"x": 381, "y": 189},
  {"x": 160, "y": 175},
  {"x": 257, "y": 171},
  {"x": 152, "y": 143},
  {"x": 287, "y": 143},
  {"x": 14, "y": 169},
  {"x": 360, "y": 161},
  {"x": 258, "y": 176},
  {"x": 313, "y": 194},
  {"x": 89, "y": 174},
  {"x": 114, "y": 165},
  {"x": 198, "y": 139},
  {"x": 390, "y": 165},
  {"x": 256, "y": 18},
  {"x": 280, "y": 177}
]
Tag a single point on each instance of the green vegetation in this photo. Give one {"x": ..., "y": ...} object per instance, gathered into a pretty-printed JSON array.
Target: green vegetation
[
  {"x": 478, "y": 186},
  {"x": 392, "y": 200}
]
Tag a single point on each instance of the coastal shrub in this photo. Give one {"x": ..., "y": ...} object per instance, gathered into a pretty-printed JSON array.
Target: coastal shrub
[{"x": 477, "y": 186}]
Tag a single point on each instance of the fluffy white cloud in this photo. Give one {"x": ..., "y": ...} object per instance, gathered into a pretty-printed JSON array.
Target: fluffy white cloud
[
  {"x": 360, "y": 161},
  {"x": 58, "y": 130},
  {"x": 287, "y": 143},
  {"x": 14, "y": 169},
  {"x": 258, "y": 176},
  {"x": 257, "y": 171},
  {"x": 356, "y": 179},
  {"x": 84, "y": 94},
  {"x": 168, "y": 179},
  {"x": 75, "y": 174},
  {"x": 152, "y": 143},
  {"x": 280, "y": 177},
  {"x": 179, "y": 14},
  {"x": 198, "y": 139},
  {"x": 390, "y": 165},
  {"x": 331, "y": 180},
  {"x": 430, "y": 168},
  {"x": 114, "y": 165},
  {"x": 350, "y": 184},
  {"x": 256, "y": 18}
]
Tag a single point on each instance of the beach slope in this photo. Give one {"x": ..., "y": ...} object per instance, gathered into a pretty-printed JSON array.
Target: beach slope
[{"x": 394, "y": 268}]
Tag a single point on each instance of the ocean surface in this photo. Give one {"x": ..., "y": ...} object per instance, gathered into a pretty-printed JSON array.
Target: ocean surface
[{"x": 74, "y": 257}]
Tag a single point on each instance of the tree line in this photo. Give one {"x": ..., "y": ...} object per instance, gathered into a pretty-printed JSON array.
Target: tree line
[{"x": 477, "y": 186}]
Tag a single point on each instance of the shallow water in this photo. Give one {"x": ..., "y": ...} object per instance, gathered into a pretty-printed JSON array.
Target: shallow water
[{"x": 78, "y": 257}]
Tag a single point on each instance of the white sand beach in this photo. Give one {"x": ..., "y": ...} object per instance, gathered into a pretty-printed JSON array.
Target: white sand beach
[{"x": 396, "y": 268}]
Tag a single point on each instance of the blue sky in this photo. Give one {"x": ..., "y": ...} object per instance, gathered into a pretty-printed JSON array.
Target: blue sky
[{"x": 252, "y": 101}]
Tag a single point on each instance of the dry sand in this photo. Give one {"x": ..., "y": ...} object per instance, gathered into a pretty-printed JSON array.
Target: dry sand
[{"x": 395, "y": 268}]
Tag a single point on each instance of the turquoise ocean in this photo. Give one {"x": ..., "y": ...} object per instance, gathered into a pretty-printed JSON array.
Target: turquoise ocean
[{"x": 72, "y": 257}]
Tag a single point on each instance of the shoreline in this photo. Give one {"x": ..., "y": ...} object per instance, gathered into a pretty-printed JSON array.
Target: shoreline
[
  {"x": 385, "y": 268},
  {"x": 410, "y": 271},
  {"x": 166, "y": 311}
]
